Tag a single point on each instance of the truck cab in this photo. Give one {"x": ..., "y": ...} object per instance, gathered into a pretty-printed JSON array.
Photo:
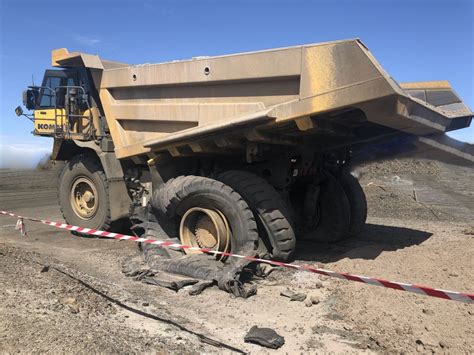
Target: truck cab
[{"x": 63, "y": 106}]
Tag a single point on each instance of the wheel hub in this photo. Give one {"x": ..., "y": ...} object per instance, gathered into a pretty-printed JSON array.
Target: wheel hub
[
  {"x": 83, "y": 198},
  {"x": 205, "y": 228},
  {"x": 205, "y": 232}
]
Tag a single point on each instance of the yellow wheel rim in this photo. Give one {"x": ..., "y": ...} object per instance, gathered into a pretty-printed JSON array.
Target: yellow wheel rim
[
  {"x": 205, "y": 228},
  {"x": 84, "y": 198}
]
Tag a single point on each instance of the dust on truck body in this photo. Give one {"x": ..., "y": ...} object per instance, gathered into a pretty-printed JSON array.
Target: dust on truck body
[{"x": 244, "y": 153}]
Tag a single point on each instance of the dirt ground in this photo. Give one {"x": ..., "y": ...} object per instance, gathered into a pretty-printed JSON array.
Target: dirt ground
[{"x": 61, "y": 293}]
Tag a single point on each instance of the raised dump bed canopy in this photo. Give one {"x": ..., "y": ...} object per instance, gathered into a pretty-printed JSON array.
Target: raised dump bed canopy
[{"x": 324, "y": 95}]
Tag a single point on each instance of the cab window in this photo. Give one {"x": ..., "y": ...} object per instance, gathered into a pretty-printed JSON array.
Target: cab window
[
  {"x": 52, "y": 80},
  {"x": 47, "y": 96}
]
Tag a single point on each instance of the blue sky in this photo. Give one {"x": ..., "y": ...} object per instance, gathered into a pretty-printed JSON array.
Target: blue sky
[{"x": 415, "y": 40}]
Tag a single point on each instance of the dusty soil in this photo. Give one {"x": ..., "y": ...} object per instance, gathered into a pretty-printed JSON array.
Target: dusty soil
[{"x": 62, "y": 293}]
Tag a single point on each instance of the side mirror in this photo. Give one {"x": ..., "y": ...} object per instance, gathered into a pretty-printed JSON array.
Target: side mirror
[
  {"x": 30, "y": 97},
  {"x": 19, "y": 111}
]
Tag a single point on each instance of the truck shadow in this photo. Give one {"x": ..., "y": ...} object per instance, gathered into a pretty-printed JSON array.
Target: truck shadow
[{"x": 374, "y": 240}]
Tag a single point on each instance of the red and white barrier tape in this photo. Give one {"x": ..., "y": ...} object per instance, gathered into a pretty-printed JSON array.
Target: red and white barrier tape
[{"x": 422, "y": 290}]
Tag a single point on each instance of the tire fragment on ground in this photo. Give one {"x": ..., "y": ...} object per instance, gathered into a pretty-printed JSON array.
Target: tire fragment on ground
[{"x": 265, "y": 337}]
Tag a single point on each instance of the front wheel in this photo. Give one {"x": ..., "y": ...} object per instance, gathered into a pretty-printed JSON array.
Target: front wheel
[{"x": 83, "y": 193}]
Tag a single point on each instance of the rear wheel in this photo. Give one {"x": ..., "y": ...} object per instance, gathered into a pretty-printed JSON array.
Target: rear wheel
[
  {"x": 206, "y": 213},
  {"x": 272, "y": 215},
  {"x": 83, "y": 193},
  {"x": 357, "y": 202},
  {"x": 326, "y": 215}
]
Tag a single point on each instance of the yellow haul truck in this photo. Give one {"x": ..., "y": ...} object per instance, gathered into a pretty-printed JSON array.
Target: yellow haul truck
[{"x": 243, "y": 153}]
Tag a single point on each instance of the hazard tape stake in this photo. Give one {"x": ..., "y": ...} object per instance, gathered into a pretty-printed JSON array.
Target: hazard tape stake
[{"x": 421, "y": 290}]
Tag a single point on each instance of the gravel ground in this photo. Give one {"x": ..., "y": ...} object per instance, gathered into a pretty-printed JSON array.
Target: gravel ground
[{"x": 81, "y": 302}]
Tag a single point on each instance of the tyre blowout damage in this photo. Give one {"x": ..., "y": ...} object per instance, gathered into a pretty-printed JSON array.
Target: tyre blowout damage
[
  {"x": 260, "y": 222},
  {"x": 172, "y": 268}
]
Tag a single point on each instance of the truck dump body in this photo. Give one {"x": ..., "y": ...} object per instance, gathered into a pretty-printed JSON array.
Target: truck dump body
[{"x": 326, "y": 94}]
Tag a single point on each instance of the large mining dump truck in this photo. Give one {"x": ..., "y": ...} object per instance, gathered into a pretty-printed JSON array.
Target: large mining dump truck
[{"x": 244, "y": 153}]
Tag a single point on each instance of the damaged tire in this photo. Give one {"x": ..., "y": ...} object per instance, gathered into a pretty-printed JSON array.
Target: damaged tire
[
  {"x": 199, "y": 207},
  {"x": 272, "y": 216},
  {"x": 357, "y": 202}
]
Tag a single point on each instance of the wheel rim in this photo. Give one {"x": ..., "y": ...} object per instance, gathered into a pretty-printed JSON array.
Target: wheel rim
[
  {"x": 205, "y": 228},
  {"x": 84, "y": 198}
]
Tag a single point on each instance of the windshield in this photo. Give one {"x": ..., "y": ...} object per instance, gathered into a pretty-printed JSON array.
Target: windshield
[{"x": 52, "y": 80}]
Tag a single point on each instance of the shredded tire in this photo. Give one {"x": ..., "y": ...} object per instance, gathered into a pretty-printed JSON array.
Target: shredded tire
[
  {"x": 265, "y": 202},
  {"x": 175, "y": 197}
]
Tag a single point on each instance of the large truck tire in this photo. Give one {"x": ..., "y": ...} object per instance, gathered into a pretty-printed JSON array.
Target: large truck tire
[
  {"x": 272, "y": 216},
  {"x": 333, "y": 217},
  {"x": 357, "y": 202},
  {"x": 202, "y": 201},
  {"x": 83, "y": 193}
]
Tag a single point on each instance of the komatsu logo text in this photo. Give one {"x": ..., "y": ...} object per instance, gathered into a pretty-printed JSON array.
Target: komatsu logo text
[{"x": 45, "y": 126}]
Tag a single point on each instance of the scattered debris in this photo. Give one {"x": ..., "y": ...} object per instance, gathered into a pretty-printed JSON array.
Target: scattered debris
[
  {"x": 71, "y": 303},
  {"x": 443, "y": 344},
  {"x": 264, "y": 336},
  {"x": 300, "y": 297},
  {"x": 286, "y": 293},
  {"x": 263, "y": 270},
  {"x": 314, "y": 299},
  {"x": 293, "y": 296},
  {"x": 68, "y": 300},
  {"x": 45, "y": 268},
  {"x": 469, "y": 231},
  {"x": 428, "y": 312},
  {"x": 318, "y": 284}
]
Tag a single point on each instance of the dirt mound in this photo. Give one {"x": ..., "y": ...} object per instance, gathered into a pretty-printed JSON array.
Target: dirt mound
[
  {"x": 397, "y": 167},
  {"x": 417, "y": 189}
]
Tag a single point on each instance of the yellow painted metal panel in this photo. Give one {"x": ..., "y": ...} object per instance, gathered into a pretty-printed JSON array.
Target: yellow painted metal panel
[{"x": 46, "y": 120}]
